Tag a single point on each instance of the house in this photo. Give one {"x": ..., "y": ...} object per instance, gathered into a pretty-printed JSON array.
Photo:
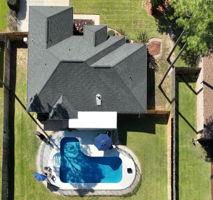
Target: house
[{"x": 72, "y": 77}]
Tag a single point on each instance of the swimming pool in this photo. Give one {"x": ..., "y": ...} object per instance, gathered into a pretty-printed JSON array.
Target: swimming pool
[{"x": 76, "y": 167}]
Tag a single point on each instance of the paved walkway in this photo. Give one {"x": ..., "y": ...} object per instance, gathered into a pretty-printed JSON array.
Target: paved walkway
[{"x": 23, "y": 14}]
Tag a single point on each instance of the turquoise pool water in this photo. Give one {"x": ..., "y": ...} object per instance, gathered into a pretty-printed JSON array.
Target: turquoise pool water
[{"x": 76, "y": 167}]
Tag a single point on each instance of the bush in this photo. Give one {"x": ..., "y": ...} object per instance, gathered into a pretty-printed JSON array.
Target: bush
[
  {"x": 127, "y": 39},
  {"x": 13, "y": 5},
  {"x": 143, "y": 37},
  {"x": 111, "y": 33},
  {"x": 159, "y": 6}
]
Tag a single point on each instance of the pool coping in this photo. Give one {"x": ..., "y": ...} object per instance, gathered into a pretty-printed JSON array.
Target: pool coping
[{"x": 92, "y": 192}]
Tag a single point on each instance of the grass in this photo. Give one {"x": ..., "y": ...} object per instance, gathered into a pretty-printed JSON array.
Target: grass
[
  {"x": 149, "y": 144},
  {"x": 150, "y": 148},
  {"x": 194, "y": 171},
  {"x": 151, "y": 151},
  {"x": 180, "y": 62},
  {"x": 127, "y": 15},
  {"x": 3, "y": 14}
]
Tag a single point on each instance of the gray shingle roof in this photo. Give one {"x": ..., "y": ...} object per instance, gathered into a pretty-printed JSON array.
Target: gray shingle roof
[{"x": 65, "y": 75}]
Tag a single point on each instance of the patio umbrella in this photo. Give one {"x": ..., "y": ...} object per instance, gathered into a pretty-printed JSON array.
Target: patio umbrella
[
  {"x": 39, "y": 177},
  {"x": 103, "y": 142}
]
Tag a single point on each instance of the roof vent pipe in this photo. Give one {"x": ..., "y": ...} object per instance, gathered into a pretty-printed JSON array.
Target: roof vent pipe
[
  {"x": 98, "y": 100},
  {"x": 25, "y": 40}
]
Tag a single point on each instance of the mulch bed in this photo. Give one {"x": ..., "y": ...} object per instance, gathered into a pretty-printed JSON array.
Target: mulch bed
[
  {"x": 79, "y": 24},
  {"x": 154, "y": 48}
]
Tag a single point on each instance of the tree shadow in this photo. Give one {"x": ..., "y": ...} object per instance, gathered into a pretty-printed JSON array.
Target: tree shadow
[
  {"x": 145, "y": 123},
  {"x": 35, "y": 104},
  {"x": 208, "y": 128},
  {"x": 82, "y": 171},
  {"x": 76, "y": 168},
  {"x": 207, "y": 145},
  {"x": 167, "y": 23},
  {"x": 83, "y": 192},
  {"x": 152, "y": 67},
  {"x": 186, "y": 80}
]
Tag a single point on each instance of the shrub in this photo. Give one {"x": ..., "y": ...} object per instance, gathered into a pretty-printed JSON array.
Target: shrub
[
  {"x": 13, "y": 5},
  {"x": 128, "y": 40},
  {"x": 143, "y": 37},
  {"x": 111, "y": 33}
]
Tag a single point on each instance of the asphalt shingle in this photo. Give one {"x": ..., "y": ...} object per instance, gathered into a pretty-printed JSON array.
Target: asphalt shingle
[{"x": 66, "y": 75}]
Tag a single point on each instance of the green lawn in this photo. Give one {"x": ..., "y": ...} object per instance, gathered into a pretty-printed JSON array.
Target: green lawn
[
  {"x": 194, "y": 172},
  {"x": 128, "y": 15},
  {"x": 3, "y": 14},
  {"x": 180, "y": 62},
  {"x": 149, "y": 144},
  {"x": 151, "y": 151}
]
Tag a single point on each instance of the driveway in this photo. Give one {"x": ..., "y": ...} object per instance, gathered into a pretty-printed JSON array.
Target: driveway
[{"x": 23, "y": 14}]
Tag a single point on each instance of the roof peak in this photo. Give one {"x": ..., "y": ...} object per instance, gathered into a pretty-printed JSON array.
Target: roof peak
[{"x": 48, "y": 11}]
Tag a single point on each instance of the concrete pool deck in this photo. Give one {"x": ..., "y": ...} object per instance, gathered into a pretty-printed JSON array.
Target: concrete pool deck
[{"x": 127, "y": 185}]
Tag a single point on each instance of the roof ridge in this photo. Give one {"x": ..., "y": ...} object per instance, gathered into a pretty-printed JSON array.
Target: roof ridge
[
  {"x": 129, "y": 90},
  {"x": 41, "y": 88},
  {"x": 135, "y": 50},
  {"x": 106, "y": 51}
]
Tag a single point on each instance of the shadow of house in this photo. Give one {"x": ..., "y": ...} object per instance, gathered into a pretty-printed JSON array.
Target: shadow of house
[
  {"x": 138, "y": 123},
  {"x": 36, "y": 104}
]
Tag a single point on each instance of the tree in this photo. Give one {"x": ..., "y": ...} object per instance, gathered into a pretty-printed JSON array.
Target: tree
[
  {"x": 159, "y": 6},
  {"x": 196, "y": 18}
]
